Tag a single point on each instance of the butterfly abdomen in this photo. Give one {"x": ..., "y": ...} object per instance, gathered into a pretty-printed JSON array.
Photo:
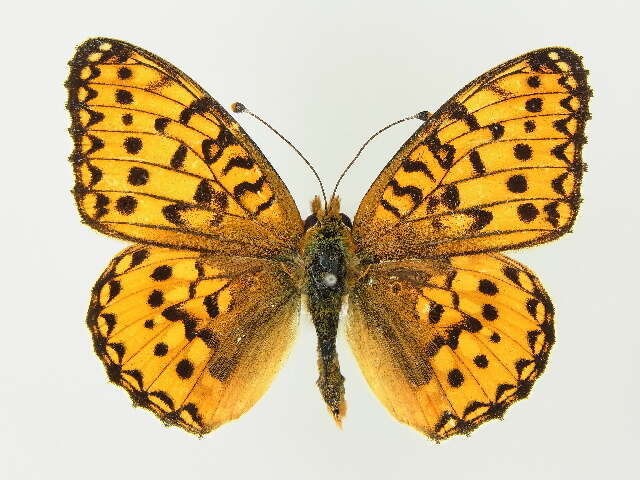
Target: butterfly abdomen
[{"x": 326, "y": 254}]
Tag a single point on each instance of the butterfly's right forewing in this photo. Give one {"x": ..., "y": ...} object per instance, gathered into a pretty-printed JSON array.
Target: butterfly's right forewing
[{"x": 496, "y": 167}]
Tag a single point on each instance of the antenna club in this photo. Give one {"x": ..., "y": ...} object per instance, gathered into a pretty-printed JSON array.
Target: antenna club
[
  {"x": 237, "y": 107},
  {"x": 424, "y": 115}
]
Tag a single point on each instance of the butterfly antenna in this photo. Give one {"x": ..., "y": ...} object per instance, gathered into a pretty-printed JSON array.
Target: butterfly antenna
[
  {"x": 238, "y": 107},
  {"x": 424, "y": 116}
]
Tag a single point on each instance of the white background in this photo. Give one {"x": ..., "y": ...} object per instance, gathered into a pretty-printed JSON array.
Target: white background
[{"x": 327, "y": 74}]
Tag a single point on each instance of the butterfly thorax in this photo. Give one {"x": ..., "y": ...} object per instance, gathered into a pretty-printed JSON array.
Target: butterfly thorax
[{"x": 328, "y": 258}]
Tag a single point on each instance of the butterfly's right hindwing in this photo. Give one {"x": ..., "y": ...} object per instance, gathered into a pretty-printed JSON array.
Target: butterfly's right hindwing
[{"x": 447, "y": 346}]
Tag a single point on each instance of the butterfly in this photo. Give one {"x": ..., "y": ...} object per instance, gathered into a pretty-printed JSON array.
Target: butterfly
[{"x": 196, "y": 318}]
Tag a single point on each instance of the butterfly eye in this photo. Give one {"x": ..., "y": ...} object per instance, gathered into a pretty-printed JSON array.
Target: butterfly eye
[
  {"x": 346, "y": 220},
  {"x": 310, "y": 221}
]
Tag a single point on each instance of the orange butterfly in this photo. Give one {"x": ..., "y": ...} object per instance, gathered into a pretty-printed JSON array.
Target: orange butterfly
[{"x": 195, "y": 319}]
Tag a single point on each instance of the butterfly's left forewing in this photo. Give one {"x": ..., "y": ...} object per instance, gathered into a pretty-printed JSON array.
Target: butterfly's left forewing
[
  {"x": 158, "y": 160},
  {"x": 448, "y": 345}
]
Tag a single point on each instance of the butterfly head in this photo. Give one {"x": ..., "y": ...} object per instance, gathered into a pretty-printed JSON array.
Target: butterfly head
[{"x": 326, "y": 216}]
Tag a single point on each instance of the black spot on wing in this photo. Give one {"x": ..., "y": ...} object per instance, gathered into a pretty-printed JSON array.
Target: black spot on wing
[
  {"x": 101, "y": 205},
  {"x": 533, "y": 105},
  {"x": 266, "y": 204},
  {"x": 455, "y": 378},
  {"x": 126, "y": 205},
  {"x": 132, "y": 145},
  {"x": 253, "y": 187},
  {"x": 512, "y": 274},
  {"x": 160, "y": 124},
  {"x": 460, "y": 112},
  {"x": 172, "y": 212},
  {"x": 200, "y": 105},
  {"x": 124, "y": 97},
  {"x": 496, "y": 130},
  {"x": 481, "y": 218},
  {"x": 557, "y": 184},
  {"x": 174, "y": 313},
  {"x": 190, "y": 325},
  {"x": 553, "y": 217},
  {"x": 387, "y": 206},
  {"x": 204, "y": 192},
  {"x": 210, "y": 303},
  {"x": 138, "y": 176},
  {"x": 177, "y": 160},
  {"x": 414, "y": 192},
  {"x": 522, "y": 151},
  {"x": 451, "y": 197},
  {"x": 163, "y": 272},
  {"x": 417, "y": 166},
  {"x": 529, "y": 126},
  {"x": 533, "y": 81},
  {"x": 435, "y": 312},
  {"x": 517, "y": 184},
  {"x": 527, "y": 212},
  {"x": 138, "y": 257},
  {"x": 476, "y": 162},
  {"x": 240, "y": 162},
  {"x": 444, "y": 153}
]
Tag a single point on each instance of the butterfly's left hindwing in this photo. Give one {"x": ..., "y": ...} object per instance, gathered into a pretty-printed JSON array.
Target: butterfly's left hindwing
[
  {"x": 447, "y": 345},
  {"x": 193, "y": 338},
  {"x": 158, "y": 160},
  {"x": 497, "y": 167}
]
